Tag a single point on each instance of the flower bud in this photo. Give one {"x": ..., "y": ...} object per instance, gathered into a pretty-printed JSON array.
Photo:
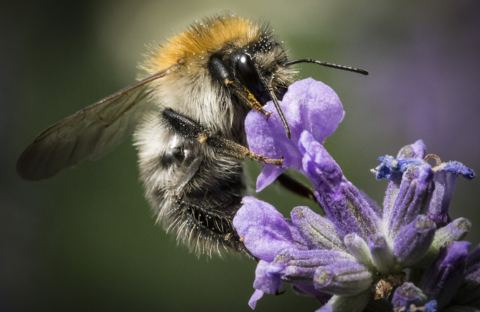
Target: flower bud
[{"x": 343, "y": 277}]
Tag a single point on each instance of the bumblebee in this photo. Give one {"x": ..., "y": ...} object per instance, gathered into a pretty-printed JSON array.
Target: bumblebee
[{"x": 187, "y": 118}]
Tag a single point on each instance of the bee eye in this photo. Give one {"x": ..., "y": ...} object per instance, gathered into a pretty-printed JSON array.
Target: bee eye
[
  {"x": 248, "y": 75},
  {"x": 244, "y": 67}
]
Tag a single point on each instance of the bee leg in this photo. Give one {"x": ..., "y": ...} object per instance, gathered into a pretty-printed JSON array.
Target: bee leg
[
  {"x": 247, "y": 97},
  {"x": 183, "y": 125},
  {"x": 295, "y": 186},
  {"x": 191, "y": 129},
  {"x": 232, "y": 148}
]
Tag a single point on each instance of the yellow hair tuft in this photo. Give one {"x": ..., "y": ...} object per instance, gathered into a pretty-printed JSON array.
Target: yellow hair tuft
[{"x": 203, "y": 38}]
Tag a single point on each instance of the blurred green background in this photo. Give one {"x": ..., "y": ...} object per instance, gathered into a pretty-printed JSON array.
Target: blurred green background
[{"x": 86, "y": 241}]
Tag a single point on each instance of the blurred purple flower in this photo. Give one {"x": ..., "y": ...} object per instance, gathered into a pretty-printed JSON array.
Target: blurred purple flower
[{"x": 356, "y": 249}]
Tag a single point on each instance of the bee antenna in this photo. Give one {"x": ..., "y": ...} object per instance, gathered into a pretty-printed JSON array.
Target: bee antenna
[
  {"x": 279, "y": 110},
  {"x": 280, "y": 113},
  {"x": 327, "y": 64}
]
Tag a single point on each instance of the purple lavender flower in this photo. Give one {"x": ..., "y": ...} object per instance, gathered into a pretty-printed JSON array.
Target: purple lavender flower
[{"x": 405, "y": 256}]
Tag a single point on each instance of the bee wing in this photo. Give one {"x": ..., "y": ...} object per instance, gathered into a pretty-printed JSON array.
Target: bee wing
[{"x": 87, "y": 134}]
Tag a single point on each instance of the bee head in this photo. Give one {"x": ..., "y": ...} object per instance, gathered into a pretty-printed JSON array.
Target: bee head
[{"x": 254, "y": 74}]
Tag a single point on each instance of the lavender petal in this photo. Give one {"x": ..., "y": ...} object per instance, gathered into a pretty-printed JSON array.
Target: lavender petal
[
  {"x": 319, "y": 166},
  {"x": 313, "y": 106},
  {"x": 267, "y": 277},
  {"x": 318, "y": 231},
  {"x": 455, "y": 230},
  {"x": 301, "y": 264},
  {"x": 469, "y": 293},
  {"x": 342, "y": 202},
  {"x": 444, "y": 277},
  {"x": 256, "y": 296},
  {"x": 414, "y": 150},
  {"x": 358, "y": 248},
  {"x": 382, "y": 256},
  {"x": 392, "y": 167},
  {"x": 413, "y": 240},
  {"x": 457, "y": 168},
  {"x": 444, "y": 185},
  {"x": 306, "y": 288},
  {"x": 344, "y": 277},
  {"x": 408, "y": 294},
  {"x": 410, "y": 198},
  {"x": 308, "y": 105},
  {"x": 267, "y": 176},
  {"x": 473, "y": 261},
  {"x": 264, "y": 231}
]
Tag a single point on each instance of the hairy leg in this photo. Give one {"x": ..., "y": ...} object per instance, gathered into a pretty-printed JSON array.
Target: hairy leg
[{"x": 191, "y": 129}]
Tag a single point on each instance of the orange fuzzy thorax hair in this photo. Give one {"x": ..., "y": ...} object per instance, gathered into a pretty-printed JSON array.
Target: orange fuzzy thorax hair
[{"x": 203, "y": 38}]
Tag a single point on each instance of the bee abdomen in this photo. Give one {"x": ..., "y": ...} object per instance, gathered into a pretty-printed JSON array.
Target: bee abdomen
[
  {"x": 205, "y": 225},
  {"x": 200, "y": 212},
  {"x": 216, "y": 224}
]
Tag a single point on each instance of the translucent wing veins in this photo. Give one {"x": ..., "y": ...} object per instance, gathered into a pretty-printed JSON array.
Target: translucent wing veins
[{"x": 87, "y": 134}]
